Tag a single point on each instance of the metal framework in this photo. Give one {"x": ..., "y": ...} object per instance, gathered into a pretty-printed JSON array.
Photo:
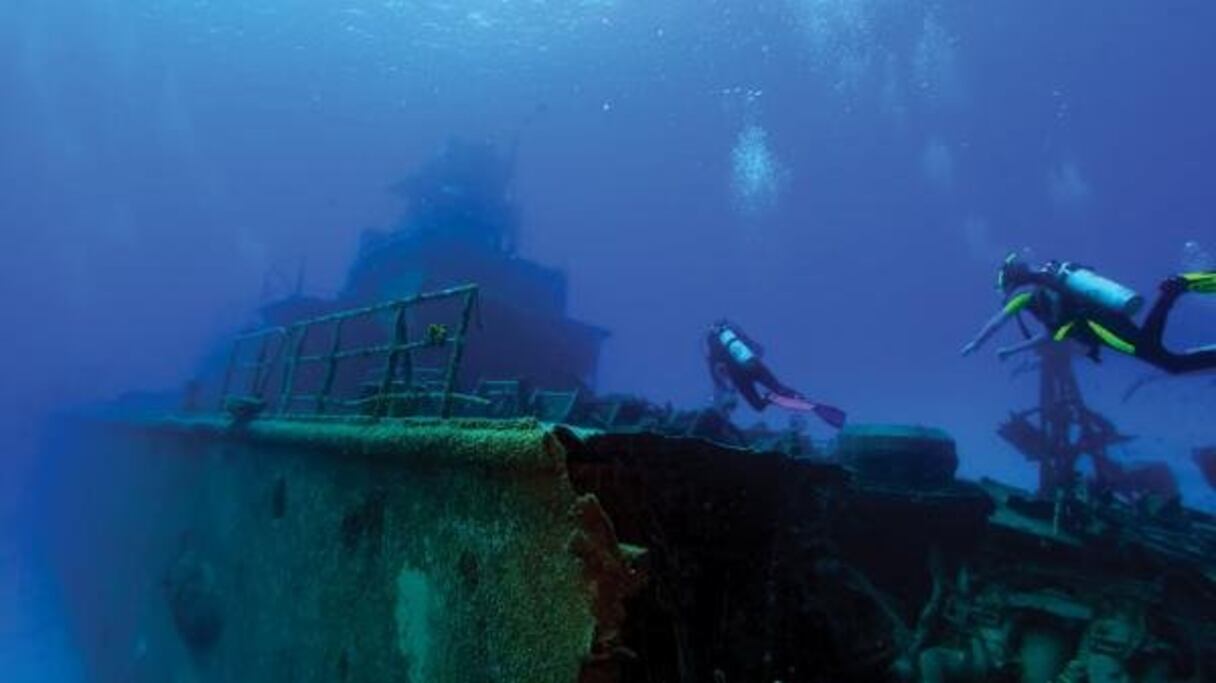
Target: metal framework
[
  {"x": 1063, "y": 428},
  {"x": 280, "y": 351}
]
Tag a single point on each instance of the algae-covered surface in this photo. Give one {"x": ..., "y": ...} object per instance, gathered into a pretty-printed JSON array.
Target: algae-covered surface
[
  {"x": 497, "y": 444},
  {"x": 357, "y": 550},
  {"x": 333, "y": 551}
]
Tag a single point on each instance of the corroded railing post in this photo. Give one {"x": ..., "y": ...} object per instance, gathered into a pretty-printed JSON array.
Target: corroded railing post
[
  {"x": 449, "y": 383},
  {"x": 331, "y": 369},
  {"x": 406, "y": 362},
  {"x": 255, "y": 381},
  {"x": 297, "y": 334},
  {"x": 232, "y": 358},
  {"x": 282, "y": 352},
  {"x": 390, "y": 362}
]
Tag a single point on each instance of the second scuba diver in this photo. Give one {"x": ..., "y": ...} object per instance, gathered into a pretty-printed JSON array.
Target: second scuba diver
[
  {"x": 1073, "y": 302},
  {"x": 734, "y": 364}
]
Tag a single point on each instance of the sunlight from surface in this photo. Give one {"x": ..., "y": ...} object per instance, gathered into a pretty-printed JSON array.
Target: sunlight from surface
[
  {"x": 404, "y": 29},
  {"x": 842, "y": 37},
  {"x": 862, "y": 47},
  {"x": 935, "y": 69}
]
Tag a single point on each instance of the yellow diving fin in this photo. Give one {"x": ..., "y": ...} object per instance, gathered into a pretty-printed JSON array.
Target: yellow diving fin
[{"x": 1202, "y": 282}]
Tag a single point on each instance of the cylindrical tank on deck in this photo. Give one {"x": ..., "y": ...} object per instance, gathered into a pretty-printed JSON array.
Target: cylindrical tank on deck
[{"x": 1099, "y": 291}]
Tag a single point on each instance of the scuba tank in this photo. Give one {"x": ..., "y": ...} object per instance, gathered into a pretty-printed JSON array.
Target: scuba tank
[
  {"x": 1097, "y": 291},
  {"x": 736, "y": 347}
]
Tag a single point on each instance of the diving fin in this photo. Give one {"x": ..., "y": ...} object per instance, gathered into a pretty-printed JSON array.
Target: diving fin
[
  {"x": 1201, "y": 282},
  {"x": 829, "y": 414}
]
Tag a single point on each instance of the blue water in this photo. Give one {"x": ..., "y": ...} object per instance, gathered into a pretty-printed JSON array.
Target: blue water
[
  {"x": 35, "y": 641},
  {"x": 840, "y": 176}
]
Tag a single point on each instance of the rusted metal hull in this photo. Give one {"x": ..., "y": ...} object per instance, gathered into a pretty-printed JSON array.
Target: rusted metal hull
[{"x": 360, "y": 549}]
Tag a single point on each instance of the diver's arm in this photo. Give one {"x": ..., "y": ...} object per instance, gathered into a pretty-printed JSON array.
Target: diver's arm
[
  {"x": 1026, "y": 345},
  {"x": 1015, "y": 305},
  {"x": 988, "y": 330}
]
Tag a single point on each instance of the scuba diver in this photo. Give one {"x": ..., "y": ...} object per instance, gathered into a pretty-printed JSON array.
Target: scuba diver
[
  {"x": 1073, "y": 302},
  {"x": 734, "y": 364}
]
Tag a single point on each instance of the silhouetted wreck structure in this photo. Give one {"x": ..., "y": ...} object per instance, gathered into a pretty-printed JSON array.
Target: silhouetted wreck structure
[
  {"x": 460, "y": 225},
  {"x": 1062, "y": 429},
  {"x": 550, "y": 552}
]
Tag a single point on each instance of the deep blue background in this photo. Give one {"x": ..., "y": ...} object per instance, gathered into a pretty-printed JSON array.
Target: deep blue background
[{"x": 159, "y": 158}]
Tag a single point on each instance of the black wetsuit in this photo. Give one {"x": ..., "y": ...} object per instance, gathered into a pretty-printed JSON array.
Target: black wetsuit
[
  {"x": 1094, "y": 328},
  {"x": 732, "y": 352},
  {"x": 1151, "y": 348}
]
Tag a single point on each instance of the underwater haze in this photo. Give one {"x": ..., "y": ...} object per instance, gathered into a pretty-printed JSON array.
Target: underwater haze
[{"x": 840, "y": 177}]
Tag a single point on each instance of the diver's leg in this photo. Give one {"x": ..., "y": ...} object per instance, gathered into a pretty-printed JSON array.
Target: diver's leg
[
  {"x": 746, "y": 384},
  {"x": 1194, "y": 360},
  {"x": 1153, "y": 330},
  {"x": 764, "y": 376},
  {"x": 1203, "y": 282},
  {"x": 1152, "y": 346}
]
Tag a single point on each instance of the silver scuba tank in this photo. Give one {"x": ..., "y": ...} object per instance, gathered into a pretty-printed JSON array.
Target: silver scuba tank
[
  {"x": 1098, "y": 291},
  {"x": 735, "y": 346}
]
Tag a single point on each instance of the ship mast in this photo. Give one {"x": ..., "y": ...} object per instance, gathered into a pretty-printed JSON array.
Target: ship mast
[{"x": 1062, "y": 429}]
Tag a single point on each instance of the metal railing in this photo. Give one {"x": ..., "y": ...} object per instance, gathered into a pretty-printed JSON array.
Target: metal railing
[{"x": 281, "y": 352}]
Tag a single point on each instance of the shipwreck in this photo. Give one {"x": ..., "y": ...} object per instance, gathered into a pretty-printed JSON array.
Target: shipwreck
[{"x": 403, "y": 484}]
